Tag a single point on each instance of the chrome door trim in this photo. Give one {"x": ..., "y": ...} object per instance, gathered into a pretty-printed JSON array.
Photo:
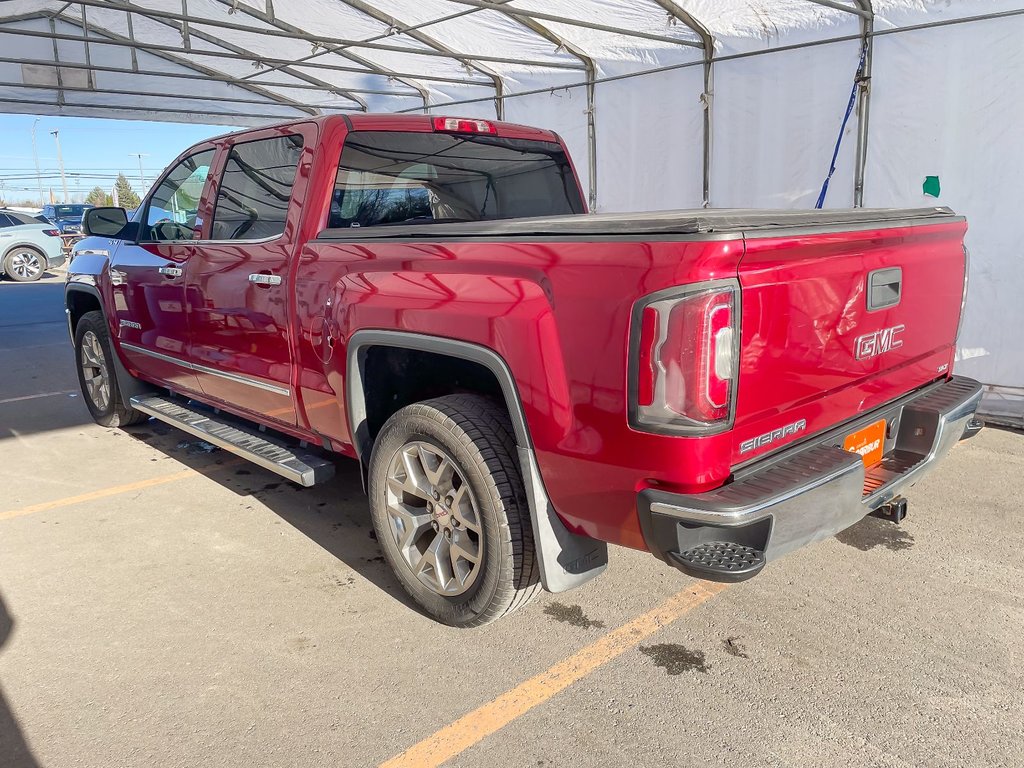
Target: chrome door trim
[
  {"x": 261, "y": 278},
  {"x": 283, "y": 391}
]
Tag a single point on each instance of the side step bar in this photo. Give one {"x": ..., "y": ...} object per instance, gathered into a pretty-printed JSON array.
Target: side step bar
[{"x": 303, "y": 468}]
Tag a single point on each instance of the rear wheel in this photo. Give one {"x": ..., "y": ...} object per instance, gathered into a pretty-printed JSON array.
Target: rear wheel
[
  {"x": 24, "y": 264},
  {"x": 95, "y": 362},
  {"x": 449, "y": 509}
]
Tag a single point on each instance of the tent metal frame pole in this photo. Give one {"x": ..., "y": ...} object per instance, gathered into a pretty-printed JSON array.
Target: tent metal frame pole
[
  {"x": 386, "y": 18},
  {"x": 56, "y": 62},
  {"x": 707, "y": 97},
  {"x": 276, "y": 28},
  {"x": 863, "y": 104},
  {"x": 570, "y": 22},
  {"x": 108, "y": 36},
  {"x": 155, "y": 110},
  {"x": 238, "y": 50},
  {"x": 591, "y": 74},
  {"x": 299, "y": 33},
  {"x": 157, "y": 50},
  {"x": 858, "y": 10}
]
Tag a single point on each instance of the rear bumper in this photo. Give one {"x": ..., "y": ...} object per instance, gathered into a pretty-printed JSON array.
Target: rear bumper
[{"x": 813, "y": 491}]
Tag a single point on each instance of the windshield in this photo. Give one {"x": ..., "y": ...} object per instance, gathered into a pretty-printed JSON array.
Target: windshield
[
  {"x": 63, "y": 211},
  {"x": 395, "y": 178}
]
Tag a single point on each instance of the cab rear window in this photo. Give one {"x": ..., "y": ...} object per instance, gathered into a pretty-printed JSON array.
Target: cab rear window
[{"x": 409, "y": 178}]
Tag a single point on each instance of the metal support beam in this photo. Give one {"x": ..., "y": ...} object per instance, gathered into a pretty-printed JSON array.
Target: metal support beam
[
  {"x": 191, "y": 76},
  {"x": 109, "y": 36},
  {"x": 591, "y": 74},
  {"x": 380, "y": 70},
  {"x": 857, "y": 9},
  {"x": 277, "y": 28},
  {"x": 131, "y": 36},
  {"x": 863, "y": 103},
  {"x": 707, "y": 97},
  {"x": 186, "y": 41},
  {"x": 135, "y": 110},
  {"x": 238, "y": 50},
  {"x": 88, "y": 58},
  {"x": 386, "y": 18},
  {"x": 56, "y": 61},
  {"x": 119, "y": 42},
  {"x": 621, "y": 31}
]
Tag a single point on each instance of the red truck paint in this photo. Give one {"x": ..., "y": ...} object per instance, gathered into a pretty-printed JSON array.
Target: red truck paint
[{"x": 558, "y": 312}]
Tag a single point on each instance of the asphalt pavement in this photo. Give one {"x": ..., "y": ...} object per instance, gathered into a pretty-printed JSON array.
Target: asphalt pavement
[{"x": 163, "y": 604}]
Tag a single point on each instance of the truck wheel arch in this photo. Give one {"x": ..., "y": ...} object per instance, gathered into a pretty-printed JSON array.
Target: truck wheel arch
[{"x": 567, "y": 560}]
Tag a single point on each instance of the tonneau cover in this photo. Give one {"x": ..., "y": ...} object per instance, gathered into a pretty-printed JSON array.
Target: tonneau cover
[{"x": 683, "y": 222}]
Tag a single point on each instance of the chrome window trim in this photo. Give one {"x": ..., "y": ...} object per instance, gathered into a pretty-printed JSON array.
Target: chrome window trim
[{"x": 238, "y": 378}]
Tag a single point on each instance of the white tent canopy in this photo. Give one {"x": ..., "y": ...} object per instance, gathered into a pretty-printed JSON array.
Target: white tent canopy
[{"x": 663, "y": 103}]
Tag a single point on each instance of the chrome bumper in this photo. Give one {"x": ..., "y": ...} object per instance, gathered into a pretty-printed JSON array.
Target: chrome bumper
[{"x": 815, "y": 490}]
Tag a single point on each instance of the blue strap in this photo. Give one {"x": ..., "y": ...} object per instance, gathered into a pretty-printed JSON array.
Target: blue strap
[{"x": 842, "y": 128}]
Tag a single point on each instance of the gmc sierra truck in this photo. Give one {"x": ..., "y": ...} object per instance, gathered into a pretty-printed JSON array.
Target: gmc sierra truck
[{"x": 522, "y": 382}]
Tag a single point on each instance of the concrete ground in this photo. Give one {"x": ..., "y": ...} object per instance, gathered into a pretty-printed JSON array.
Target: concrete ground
[{"x": 161, "y": 605}]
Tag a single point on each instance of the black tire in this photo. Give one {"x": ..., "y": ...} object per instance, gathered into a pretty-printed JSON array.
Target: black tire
[
  {"x": 475, "y": 433},
  {"x": 12, "y": 271},
  {"x": 115, "y": 412}
]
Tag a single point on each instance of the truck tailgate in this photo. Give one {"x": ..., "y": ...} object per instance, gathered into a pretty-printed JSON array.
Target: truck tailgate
[{"x": 836, "y": 324}]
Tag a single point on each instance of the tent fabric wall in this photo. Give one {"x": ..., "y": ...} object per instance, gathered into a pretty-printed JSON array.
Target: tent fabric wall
[{"x": 944, "y": 100}]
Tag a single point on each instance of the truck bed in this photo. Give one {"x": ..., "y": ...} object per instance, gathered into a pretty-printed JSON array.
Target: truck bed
[{"x": 698, "y": 221}]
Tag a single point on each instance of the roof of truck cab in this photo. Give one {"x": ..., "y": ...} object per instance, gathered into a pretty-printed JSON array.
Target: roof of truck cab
[
  {"x": 656, "y": 224},
  {"x": 385, "y": 121}
]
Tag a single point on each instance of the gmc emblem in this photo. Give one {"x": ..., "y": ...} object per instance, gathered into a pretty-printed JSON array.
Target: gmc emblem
[{"x": 874, "y": 344}]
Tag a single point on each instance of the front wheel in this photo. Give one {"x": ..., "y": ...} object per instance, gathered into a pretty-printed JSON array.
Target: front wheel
[
  {"x": 95, "y": 362},
  {"x": 24, "y": 264},
  {"x": 449, "y": 509}
]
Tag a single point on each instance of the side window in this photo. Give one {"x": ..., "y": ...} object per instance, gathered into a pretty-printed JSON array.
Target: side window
[
  {"x": 252, "y": 201},
  {"x": 5, "y": 222},
  {"x": 173, "y": 207}
]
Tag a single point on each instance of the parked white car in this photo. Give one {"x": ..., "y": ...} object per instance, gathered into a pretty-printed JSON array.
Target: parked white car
[{"x": 28, "y": 246}]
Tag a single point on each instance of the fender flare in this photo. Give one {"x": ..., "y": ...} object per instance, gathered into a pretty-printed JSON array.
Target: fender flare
[
  {"x": 567, "y": 560},
  {"x": 128, "y": 385}
]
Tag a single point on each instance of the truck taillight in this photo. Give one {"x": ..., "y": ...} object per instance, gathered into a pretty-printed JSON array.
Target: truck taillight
[
  {"x": 684, "y": 357},
  {"x": 463, "y": 125}
]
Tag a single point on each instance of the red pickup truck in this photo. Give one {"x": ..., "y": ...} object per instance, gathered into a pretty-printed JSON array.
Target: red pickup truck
[{"x": 524, "y": 383}]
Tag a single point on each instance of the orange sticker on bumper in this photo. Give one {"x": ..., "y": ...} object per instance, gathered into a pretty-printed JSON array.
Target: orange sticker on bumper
[{"x": 868, "y": 442}]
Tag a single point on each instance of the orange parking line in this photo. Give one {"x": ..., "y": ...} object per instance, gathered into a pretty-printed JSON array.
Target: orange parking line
[
  {"x": 470, "y": 729},
  {"x": 103, "y": 493}
]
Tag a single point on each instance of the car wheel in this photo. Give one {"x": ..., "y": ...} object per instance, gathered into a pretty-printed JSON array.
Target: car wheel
[
  {"x": 24, "y": 264},
  {"x": 449, "y": 509},
  {"x": 94, "y": 360}
]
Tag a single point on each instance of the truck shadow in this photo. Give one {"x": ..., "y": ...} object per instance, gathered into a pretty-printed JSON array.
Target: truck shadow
[
  {"x": 335, "y": 515},
  {"x": 14, "y": 751}
]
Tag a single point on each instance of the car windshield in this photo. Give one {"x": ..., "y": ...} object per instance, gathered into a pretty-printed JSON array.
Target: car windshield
[{"x": 70, "y": 210}]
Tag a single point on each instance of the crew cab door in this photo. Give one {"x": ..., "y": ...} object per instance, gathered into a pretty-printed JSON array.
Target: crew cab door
[
  {"x": 238, "y": 279},
  {"x": 148, "y": 276}
]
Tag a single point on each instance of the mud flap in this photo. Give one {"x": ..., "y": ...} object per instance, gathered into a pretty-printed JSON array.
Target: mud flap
[{"x": 566, "y": 559}]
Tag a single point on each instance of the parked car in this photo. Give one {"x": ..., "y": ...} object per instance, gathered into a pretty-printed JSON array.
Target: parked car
[
  {"x": 67, "y": 218},
  {"x": 28, "y": 246},
  {"x": 521, "y": 383}
]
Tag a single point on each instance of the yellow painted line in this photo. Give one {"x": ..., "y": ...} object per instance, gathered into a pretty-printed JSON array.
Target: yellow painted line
[
  {"x": 470, "y": 729},
  {"x": 115, "y": 490}
]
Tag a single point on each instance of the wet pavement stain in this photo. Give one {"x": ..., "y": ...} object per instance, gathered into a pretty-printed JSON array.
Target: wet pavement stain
[
  {"x": 570, "y": 614},
  {"x": 734, "y": 647},
  {"x": 675, "y": 658},
  {"x": 872, "y": 532},
  {"x": 242, "y": 472}
]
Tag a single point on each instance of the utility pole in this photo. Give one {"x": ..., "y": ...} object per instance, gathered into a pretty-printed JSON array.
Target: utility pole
[
  {"x": 142, "y": 178},
  {"x": 60, "y": 162},
  {"x": 35, "y": 156}
]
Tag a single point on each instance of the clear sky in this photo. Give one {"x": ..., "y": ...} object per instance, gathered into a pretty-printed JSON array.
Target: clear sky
[{"x": 94, "y": 151}]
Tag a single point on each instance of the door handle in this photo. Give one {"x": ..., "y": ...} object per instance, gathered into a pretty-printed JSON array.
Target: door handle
[
  {"x": 171, "y": 271},
  {"x": 262, "y": 278}
]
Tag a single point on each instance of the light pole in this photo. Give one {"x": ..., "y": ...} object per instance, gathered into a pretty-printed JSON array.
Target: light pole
[
  {"x": 60, "y": 162},
  {"x": 35, "y": 156},
  {"x": 142, "y": 178}
]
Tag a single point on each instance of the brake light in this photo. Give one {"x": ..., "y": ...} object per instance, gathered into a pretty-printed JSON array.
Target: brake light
[
  {"x": 463, "y": 125},
  {"x": 686, "y": 360},
  {"x": 52, "y": 232}
]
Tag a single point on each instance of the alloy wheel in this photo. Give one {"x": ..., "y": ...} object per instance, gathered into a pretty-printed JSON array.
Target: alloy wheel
[
  {"x": 434, "y": 518},
  {"x": 26, "y": 264},
  {"x": 95, "y": 373}
]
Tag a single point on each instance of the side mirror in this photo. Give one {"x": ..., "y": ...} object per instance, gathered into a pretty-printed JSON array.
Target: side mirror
[{"x": 104, "y": 222}]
